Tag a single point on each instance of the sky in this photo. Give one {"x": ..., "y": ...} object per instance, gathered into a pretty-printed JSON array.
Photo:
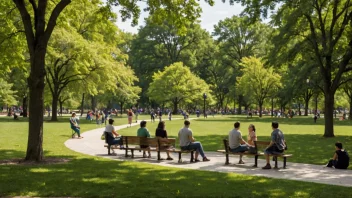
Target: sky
[{"x": 211, "y": 15}]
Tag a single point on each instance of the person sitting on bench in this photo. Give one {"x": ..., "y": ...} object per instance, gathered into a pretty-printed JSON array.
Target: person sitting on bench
[
  {"x": 236, "y": 142},
  {"x": 74, "y": 125},
  {"x": 109, "y": 135},
  {"x": 341, "y": 159},
  {"x": 251, "y": 137},
  {"x": 143, "y": 132},
  {"x": 187, "y": 142},
  {"x": 277, "y": 144},
  {"x": 161, "y": 132}
]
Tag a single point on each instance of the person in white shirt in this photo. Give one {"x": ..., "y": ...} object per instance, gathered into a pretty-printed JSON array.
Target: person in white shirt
[{"x": 187, "y": 142}]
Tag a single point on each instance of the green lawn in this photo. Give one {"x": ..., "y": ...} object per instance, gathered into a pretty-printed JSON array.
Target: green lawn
[{"x": 87, "y": 176}]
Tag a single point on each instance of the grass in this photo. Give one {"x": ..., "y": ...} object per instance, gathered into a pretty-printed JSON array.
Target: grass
[{"x": 87, "y": 176}]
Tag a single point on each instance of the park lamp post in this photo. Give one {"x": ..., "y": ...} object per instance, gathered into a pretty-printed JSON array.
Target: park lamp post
[{"x": 204, "y": 97}]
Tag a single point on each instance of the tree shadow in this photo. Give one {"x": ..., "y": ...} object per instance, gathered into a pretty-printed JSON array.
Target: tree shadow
[{"x": 90, "y": 177}]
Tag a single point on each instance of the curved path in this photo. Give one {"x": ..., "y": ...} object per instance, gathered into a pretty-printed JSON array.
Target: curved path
[{"x": 92, "y": 145}]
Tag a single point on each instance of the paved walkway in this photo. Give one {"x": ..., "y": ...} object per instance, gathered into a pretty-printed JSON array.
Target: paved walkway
[{"x": 92, "y": 145}]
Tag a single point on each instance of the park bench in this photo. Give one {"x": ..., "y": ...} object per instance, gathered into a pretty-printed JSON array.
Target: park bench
[
  {"x": 132, "y": 143},
  {"x": 259, "y": 145},
  {"x": 171, "y": 143}
]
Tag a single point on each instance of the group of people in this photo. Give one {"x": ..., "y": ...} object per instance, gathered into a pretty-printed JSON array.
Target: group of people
[{"x": 236, "y": 143}]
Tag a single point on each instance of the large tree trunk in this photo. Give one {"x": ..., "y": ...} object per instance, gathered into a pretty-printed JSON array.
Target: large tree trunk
[
  {"x": 24, "y": 106},
  {"x": 306, "y": 105},
  {"x": 272, "y": 107},
  {"x": 239, "y": 105},
  {"x": 121, "y": 107},
  {"x": 350, "y": 116},
  {"x": 54, "y": 107},
  {"x": 328, "y": 114},
  {"x": 93, "y": 103},
  {"x": 260, "y": 109},
  {"x": 82, "y": 105},
  {"x": 175, "y": 107},
  {"x": 299, "y": 109},
  {"x": 36, "y": 106}
]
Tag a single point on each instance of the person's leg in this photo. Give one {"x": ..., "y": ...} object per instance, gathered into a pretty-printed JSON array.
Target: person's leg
[
  {"x": 196, "y": 155},
  {"x": 198, "y": 147},
  {"x": 77, "y": 131},
  {"x": 330, "y": 164}
]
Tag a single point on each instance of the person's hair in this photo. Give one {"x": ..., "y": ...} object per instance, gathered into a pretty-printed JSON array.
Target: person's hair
[
  {"x": 338, "y": 145},
  {"x": 237, "y": 124},
  {"x": 253, "y": 127},
  {"x": 143, "y": 123},
  {"x": 161, "y": 125},
  {"x": 111, "y": 121},
  {"x": 187, "y": 123},
  {"x": 73, "y": 113},
  {"x": 275, "y": 125}
]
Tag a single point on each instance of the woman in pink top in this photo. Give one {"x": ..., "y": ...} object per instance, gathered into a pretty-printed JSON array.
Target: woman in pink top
[{"x": 252, "y": 136}]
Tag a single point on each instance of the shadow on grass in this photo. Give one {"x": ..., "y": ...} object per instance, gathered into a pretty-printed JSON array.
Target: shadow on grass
[{"x": 91, "y": 177}]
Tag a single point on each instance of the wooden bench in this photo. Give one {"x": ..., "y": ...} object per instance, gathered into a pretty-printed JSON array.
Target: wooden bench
[
  {"x": 261, "y": 145},
  {"x": 258, "y": 146},
  {"x": 171, "y": 143},
  {"x": 132, "y": 143}
]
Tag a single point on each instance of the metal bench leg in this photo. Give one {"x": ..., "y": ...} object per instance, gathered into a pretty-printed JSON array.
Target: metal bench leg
[
  {"x": 179, "y": 158},
  {"x": 109, "y": 149},
  {"x": 159, "y": 155},
  {"x": 132, "y": 154},
  {"x": 227, "y": 159},
  {"x": 126, "y": 153},
  {"x": 284, "y": 162},
  {"x": 256, "y": 161},
  {"x": 275, "y": 162},
  {"x": 192, "y": 158}
]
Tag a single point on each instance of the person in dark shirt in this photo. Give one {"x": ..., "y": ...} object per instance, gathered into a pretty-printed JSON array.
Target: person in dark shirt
[
  {"x": 161, "y": 133},
  {"x": 341, "y": 159}
]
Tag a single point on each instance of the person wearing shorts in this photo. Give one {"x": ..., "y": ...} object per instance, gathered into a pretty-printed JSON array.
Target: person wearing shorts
[{"x": 277, "y": 144}]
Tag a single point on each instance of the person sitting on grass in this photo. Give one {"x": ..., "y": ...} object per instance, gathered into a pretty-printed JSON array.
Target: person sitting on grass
[
  {"x": 143, "y": 132},
  {"x": 236, "y": 142},
  {"x": 74, "y": 125},
  {"x": 187, "y": 142},
  {"x": 277, "y": 144},
  {"x": 161, "y": 133},
  {"x": 109, "y": 135},
  {"x": 341, "y": 160}
]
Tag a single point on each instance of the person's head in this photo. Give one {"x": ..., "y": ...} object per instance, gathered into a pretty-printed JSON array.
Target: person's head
[
  {"x": 251, "y": 128},
  {"x": 187, "y": 123},
  {"x": 275, "y": 125},
  {"x": 143, "y": 124},
  {"x": 111, "y": 121},
  {"x": 237, "y": 125},
  {"x": 73, "y": 114},
  {"x": 338, "y": 145},
  {"x": 161, "y": 125}
]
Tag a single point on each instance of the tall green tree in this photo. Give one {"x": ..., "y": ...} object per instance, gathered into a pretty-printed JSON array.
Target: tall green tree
[
  {"x": 257, "y": 81},
  {"x": 39, "y": 18},
  {"x": 176, "y": 84},
  {"x": 325, "y": 25}
]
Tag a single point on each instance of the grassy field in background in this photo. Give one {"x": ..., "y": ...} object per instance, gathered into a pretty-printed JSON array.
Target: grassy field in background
[{"x": 88, "y": 176}]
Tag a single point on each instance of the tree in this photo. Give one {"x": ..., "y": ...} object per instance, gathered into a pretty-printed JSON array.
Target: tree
[
  {"x": 238, "y": 38},
  {"x": 257, "y": 81},
  {"x": 6, "y": 94},
  {"x": 325, "y": 25},
  {"x": 175, "y": 84},
  {"x": 38, "y": 30}
]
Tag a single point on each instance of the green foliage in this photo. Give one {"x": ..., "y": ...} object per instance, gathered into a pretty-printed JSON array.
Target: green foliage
[
  {"x": 257, "y": 81},
  {"x": 176, "y": 84},
  {"x": 6, "y": 93}
]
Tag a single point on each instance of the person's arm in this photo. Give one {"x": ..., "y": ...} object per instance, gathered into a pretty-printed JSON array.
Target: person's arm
[
  {"x": 115, "y": 132},
  {"x": 190, "y": 137},
  {"x": 148, "y": 134},
  {"x": 335, "y": 157}
]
